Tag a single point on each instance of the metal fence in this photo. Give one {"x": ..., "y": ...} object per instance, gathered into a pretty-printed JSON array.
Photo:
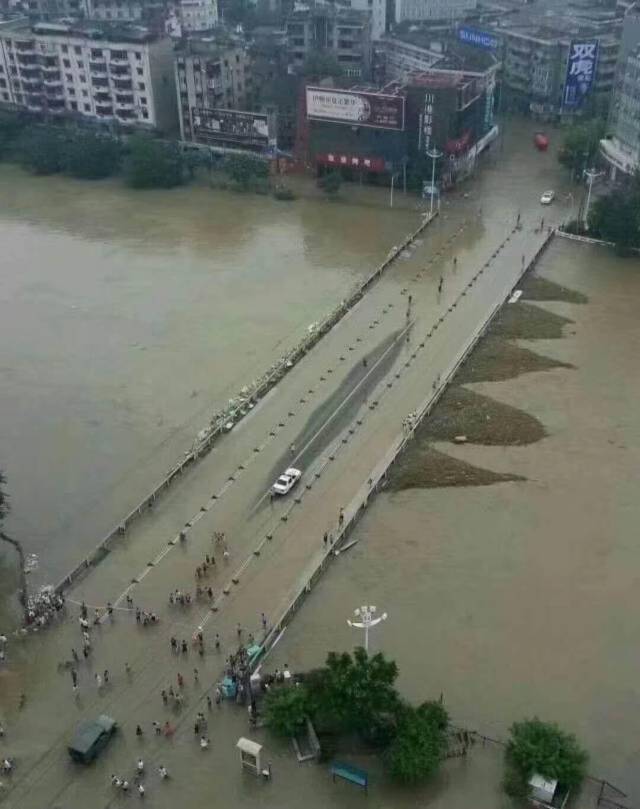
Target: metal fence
[{"x": 239, "y": 407}]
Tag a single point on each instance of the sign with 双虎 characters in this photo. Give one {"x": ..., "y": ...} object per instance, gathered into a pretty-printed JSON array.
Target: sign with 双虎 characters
[{"x": 581, "y": 71}]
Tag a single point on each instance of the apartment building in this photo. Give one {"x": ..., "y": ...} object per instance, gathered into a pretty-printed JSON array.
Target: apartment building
[
  {"x": 342, "y": 32},
  {"x": 210, "y": 74},
  {"x": 433, "y": 10},
  {"x": 535, "y": 68},
  {"x": 621, "y": 151},
  {"x": 102, "y": 73},
  {"x": 377, "y": 10},
  {"x": 179, "y": 16}
]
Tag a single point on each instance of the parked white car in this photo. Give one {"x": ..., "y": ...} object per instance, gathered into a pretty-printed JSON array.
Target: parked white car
[
  {"x": 286, "y": 481},
  {"x": 548, "y": 197}
]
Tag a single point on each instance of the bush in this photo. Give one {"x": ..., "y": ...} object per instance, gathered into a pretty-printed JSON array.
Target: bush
[
  {"x": 41, "y": 150},
  {"x": 153, "y": 164},
  {"x": 90, "y": 156},
  {"x": 246, "y": 171},
  {"x": 331, "y": 183},
  {"x": 285, "y": 709},
  {"x": 283, "y": 193},
  {"x": 11, "y": 126},
  {"x": 420, "y": 744},
  {"x": 543, "y": 748}
]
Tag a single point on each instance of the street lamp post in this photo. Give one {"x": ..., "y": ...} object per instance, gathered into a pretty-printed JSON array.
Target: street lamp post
[
  {"x": 367, "y": 616},
  {"x": 591, "y": 175},
  {"x": 434, "y": 154}
]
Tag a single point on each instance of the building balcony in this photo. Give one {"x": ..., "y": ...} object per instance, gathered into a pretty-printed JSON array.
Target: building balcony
[
  {"x": 98, "y": 68},
  {"x": 125, "y": 114},
  {"x": 51, "y": 69},
  {"x": 123, "y": 70},
  {"x": 118, "y": 61},
  {"x": 100, "y": 83},
  {"x": 102, "y": 97},
  {"x": 27, "y": 47},
  {"x": 52, "y": 83},
  {"x": 122, "y": 84},
  {"x": 104, "y": 110},
  {"x": 124, "y": 102},
  {"x": 32, "y": 83}
]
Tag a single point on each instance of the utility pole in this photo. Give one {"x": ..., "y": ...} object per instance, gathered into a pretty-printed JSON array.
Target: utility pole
[
  {"x": 434, "y": 154},
  {"x": 591, "y": 175},
  {"x": 367, "y": 621}
]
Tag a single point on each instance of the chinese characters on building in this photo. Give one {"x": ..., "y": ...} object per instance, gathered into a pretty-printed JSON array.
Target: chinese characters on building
[{"x": 581, "y": 69}]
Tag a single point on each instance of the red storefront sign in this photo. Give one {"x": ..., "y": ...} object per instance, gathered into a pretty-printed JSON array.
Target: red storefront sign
[{"x": 349, "y": 161}]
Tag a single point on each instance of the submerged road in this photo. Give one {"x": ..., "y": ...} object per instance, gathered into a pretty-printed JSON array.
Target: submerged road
[{"x": 335, "y": 415}]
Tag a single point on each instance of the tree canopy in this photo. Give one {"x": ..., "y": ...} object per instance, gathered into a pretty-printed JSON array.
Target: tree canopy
[
  {"x": 542, "y": 747},
  {"x": 285, "y": 710},
  {"x": 581, "y": 144},
  {"x": 615, "y": 217},
  {"x": 420, "y": 744},
  {"x": 153, "y": 164}
]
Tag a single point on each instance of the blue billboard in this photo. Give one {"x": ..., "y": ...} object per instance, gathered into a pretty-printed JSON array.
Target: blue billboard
[
  {"x": 581, "y": 71},
  {"x": 478, "y": 38}
]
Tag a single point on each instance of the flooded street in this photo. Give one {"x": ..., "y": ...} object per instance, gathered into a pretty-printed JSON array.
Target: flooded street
[
  {"x": 510, "y": 599},
  {"x": 128, "y": 318}
]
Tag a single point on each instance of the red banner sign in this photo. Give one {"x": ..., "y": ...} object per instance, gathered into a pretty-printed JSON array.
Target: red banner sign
[{"x": 349, "y": 161}]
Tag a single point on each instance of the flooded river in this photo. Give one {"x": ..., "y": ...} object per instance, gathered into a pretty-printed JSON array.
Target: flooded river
[{"x": 127, "y": 318}]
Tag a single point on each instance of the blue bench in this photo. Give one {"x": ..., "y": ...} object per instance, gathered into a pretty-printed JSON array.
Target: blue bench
[{"x": 350, "y": 773}]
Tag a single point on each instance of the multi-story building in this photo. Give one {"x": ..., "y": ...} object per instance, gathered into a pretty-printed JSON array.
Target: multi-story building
[
  {"x": 433, "y": 10},
  {"x": 180, "y": 16},
  {"x": 345, "y": 33},
  {"x": 621, "y": 148},
  {"x": 209, "y": 75},
  {"x": 377, "y": 9},
  {"x": 535, "y": 68},
  {"x": 103, "y": 73}
]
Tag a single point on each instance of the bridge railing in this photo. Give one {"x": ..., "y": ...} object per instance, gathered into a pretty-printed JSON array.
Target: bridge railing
[{"x": 238, "y": 408}]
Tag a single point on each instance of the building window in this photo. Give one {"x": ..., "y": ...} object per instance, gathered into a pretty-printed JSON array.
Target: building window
[
  {"x": 143, "y": 99},
  {"x": 83, "y": 78},
  {"x": 5, "y": 96},
  {"x": 68, "y": 77},
  {"x": 140, "y": 71},
  {"x": 145, "y": 114},
  {"x": 3, "y": 83},
  {"x": 65, "y": 49},
  {"x": 71, "y": 91},
  {"x": 87, "y": 107},
  {"x": 138, "y": 55},
  {"x": 77, "y": 49},
  {"x": 85, "y": 94},
  {"x": 74, "y": 105},
  {"x": 66, "y": 63},
  {"x": 141, "y": 85}
]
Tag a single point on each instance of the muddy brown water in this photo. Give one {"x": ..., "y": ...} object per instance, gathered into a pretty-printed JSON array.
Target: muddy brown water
[
  {"x": 128, "y": 318},
  {"x": 519, "y": 598}
]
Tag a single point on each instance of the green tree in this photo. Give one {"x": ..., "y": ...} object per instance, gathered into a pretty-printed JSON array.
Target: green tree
[
  {"x": 246, "y": 171},
  {"x": 581, "y": 144},
  {"x": 543, "y": 748},
  {"x": 354, "y": 693},
  {"x": 420, "y": 744},
  {"x": 331, "y": 184},
  {"x": 321, "y": 65},
  {"x": 91, "y": 156},
  {"x": 11, "y": 125},
  {"x": 41, "y": 150},
  {"x": 153, "y": 163},
  {"x": 285, "y": 709},
  {"x": 615, "y": 217}
]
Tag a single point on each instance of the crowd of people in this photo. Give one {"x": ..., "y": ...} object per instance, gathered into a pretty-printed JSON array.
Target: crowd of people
[{"x": 43, "y": 608}]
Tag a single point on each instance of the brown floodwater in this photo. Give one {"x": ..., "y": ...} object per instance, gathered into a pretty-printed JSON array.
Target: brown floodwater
[
  {"x": 127, "y": 318},
  {"x": 520, "y": 598}
]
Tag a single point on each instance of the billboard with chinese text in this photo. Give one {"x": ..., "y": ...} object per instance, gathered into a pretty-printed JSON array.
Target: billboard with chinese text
[
  {"x": 581, "y": 71},
  {"x": 356, "y": 108},
  {"x": 250, "y": 129}
]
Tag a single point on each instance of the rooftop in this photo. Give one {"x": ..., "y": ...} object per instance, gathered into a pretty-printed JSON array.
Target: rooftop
[
  {"x": 448, "y": 53},
  {"x": 99, "y": 31}
]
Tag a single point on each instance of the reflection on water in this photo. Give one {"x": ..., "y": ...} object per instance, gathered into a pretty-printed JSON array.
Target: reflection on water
[{"x": 127, "y": 317}]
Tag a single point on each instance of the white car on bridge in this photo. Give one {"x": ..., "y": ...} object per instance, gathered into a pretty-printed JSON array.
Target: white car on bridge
[{"x": 286, "y": 481}]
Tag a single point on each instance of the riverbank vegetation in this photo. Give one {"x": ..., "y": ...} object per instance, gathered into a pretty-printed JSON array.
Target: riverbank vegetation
[
  {"x": 141, "y": 160},
  {"x": 352, "y": 703},
  {"x": 542, "y": 748},
  {"x": 353, "y": 696}
]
